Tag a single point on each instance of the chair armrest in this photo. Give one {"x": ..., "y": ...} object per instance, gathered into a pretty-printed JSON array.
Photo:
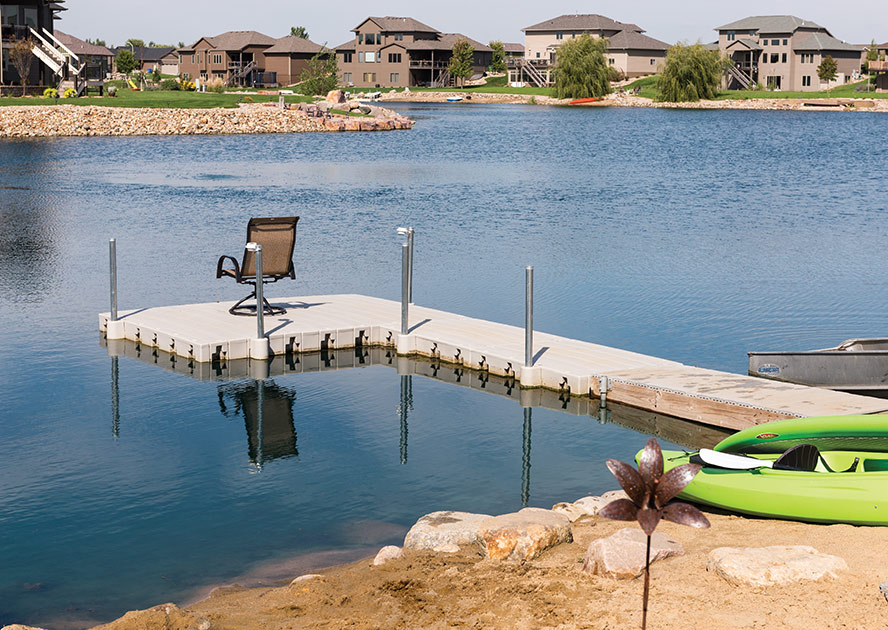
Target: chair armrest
[{"x": 237, "y": 271}]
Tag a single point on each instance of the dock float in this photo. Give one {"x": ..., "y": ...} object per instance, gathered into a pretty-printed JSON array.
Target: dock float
[{"x": 208, "y": 333}]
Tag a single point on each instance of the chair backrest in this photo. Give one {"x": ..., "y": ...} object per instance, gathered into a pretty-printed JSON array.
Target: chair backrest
[{"x": 277, "y": 235}]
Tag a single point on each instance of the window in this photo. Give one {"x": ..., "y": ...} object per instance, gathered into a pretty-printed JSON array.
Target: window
[
  {"x": 785, "y": 42},
  {"x": 346, "y": 57},
  {"x": 538, "y": 55},
  {"x": 192, "y": 58},
  {"x": 395, "y": 77},
  {"x": 611, "y": 61},
  {"x": 775, "y": 42},
  {"x": 30, "y": 16},
  {"x": 203, "y": 76},
  {"x": 807, "y": 57},
  {"x": 399, "y": 37},
  {"x": 217, "y": 58},
  {"x": 198, "y": 57},
  {"x": 394, "y": 57},
  {"x": 9, "y": 15},
  {"x": 806, "y": 81},
  {"x": 347, "y": 78},
  {"x": 370, "y": 57},
  {"x": 369, "y": 77},
  {"x": 559, "y": 35},
  {"x": 372, "y": 38},
  {"x": 731, "y": 36},
  {"x": 181, "y": 58},
  {"x": 774, "y": 57},
  {"x": 360, "y": 38},
  {"x": 653, "y": 62},
  {"x": 783, "y": 58},
  {"x": 764, "y": 42}
]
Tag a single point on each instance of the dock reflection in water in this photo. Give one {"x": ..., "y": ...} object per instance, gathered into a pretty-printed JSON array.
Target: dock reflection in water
[{"x": 267, "y": 407}]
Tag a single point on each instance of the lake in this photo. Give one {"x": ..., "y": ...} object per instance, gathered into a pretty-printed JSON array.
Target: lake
[{"x": 690, "y": 235}]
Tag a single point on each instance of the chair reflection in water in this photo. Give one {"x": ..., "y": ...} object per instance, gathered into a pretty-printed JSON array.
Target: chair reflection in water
[
  {"x": 267, "y": 409},
  {"x": 277, "y": 236}
]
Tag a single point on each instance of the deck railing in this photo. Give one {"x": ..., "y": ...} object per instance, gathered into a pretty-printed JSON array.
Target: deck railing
[{"x": 422, "y": 64}]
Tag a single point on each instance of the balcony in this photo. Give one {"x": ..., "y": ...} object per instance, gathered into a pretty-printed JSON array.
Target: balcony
[
  {"x": 427, "y": 64},
  {"x": 878, "y": 66},
  {"x": 10, "y": 33}
]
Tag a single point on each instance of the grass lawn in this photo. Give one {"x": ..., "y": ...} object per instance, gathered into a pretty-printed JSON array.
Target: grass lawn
[
  {"x": 648, "y": 87},
  {"x": 494, "y": 85},
  {"x": 158, "y": 99}
]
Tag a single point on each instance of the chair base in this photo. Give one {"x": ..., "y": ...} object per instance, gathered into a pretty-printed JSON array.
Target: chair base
[{"x": 249, "y": 310}]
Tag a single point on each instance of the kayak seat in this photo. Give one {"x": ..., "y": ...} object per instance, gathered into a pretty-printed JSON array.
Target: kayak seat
[{"x": 805, "y": 457}]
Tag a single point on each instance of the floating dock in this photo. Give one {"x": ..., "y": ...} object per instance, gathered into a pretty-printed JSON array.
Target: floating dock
[{"x": 209, "y": 334}]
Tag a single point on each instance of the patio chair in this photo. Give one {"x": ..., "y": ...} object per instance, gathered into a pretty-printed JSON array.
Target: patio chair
[{"x": 277, "y": 236}]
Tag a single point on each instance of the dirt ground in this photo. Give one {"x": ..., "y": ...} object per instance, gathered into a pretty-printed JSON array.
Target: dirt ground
[{"x": 436, "y": 591}]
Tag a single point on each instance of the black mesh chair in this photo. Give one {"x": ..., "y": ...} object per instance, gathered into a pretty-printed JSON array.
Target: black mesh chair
[{"x": 277, "y": 236}]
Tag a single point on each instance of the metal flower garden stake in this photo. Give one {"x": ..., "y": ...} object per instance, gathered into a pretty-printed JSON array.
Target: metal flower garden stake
[{"x": 650, "y": 492}]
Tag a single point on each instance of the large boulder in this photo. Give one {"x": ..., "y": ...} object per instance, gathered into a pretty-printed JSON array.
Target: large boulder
[
  {"x": 444, "y": 528},
  {"x": 335, "y": 96},
  {"x": 389, "y": 552},
  {"x": 523, "y": 535},
  {"x": 622, "y": 555},
  {"x": 166, "y": 616},
  {"x": 765, "y": 566}
]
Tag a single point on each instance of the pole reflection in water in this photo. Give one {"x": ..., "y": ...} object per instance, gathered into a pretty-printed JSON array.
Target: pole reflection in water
[
  {"x": 115, "y": 399},
  {"x": 525, "y": 458},
  {"x": 404, "y": 405},
  {"x": 267, "y": 409}
]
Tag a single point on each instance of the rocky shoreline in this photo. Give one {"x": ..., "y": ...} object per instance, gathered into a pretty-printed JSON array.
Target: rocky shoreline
[
  {"x": 628, "y": 100},
  {"x": 566, "y": 568},
  {"x": 90, "y": 120}
]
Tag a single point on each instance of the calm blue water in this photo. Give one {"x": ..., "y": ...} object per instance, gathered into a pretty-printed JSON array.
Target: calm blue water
[{"x": 690, "y": 235}]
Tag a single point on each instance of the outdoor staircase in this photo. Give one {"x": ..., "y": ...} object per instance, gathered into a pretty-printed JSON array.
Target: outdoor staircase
[
  {"x": 740, "y": 77},
  {"x": 533, "y": 75},
  {"x": 65, "y": 65},
  {"x": 444, "y": 79},
  {"x": 239, "y": 73}
]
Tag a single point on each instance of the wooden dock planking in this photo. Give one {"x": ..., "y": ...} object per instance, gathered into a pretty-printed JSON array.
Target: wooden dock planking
[{"x": 204, "y": 332}]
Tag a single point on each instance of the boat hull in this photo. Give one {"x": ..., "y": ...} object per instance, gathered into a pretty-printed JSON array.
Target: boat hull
[
  {"x": 858, "y": 498},
  {"x": 867, "y": 433}
]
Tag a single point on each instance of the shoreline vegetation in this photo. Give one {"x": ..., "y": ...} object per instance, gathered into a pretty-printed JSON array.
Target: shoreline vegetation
[{"x": 458, "y": 586}]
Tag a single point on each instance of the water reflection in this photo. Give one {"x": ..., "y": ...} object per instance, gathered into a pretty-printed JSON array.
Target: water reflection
[
  {"x": 405, "y": 404},
  {"x": 267, "y": 409},
  {"x": 29, "y": 250}
]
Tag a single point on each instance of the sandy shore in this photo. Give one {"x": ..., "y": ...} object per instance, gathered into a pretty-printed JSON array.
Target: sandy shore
[
  {"x": 625, "y": 100},
  {"x": 429, "y": 590}
]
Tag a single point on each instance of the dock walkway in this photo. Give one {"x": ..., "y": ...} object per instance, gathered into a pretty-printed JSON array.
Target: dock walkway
[{"x": 208, "y": 333}]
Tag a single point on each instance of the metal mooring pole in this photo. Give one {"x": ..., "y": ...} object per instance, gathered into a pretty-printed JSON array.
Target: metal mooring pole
[
  {"x": 405, "y": 286},
  {"x": 260, "y": 298},
  {"x": 112, "y": 250},
  {"x": 528, "y": 317},
  {"x": 410, "y": 280}
]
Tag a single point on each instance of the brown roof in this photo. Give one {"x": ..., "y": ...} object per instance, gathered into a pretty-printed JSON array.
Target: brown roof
[
  {"x": 583, "y": 22},
  {"x": 235, "y": 40},
  {"x": 80, "y": 47},
  {"x": 349, "y": 45},
  {"x": 633, "y": 40},
  {"x": 513, "y": 48},
  {"x": 444, "y": 42},
  {"x": 391, "y": 24},
  {"x": 292, "y": 44}
]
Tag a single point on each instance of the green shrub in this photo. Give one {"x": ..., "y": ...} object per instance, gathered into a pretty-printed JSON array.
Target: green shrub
[
  {"x": 170, "y": 85},
  {"x": 50, "y": 93},
  {"x": 69, "y": 93},
  {"x": 581, "y": 70}
]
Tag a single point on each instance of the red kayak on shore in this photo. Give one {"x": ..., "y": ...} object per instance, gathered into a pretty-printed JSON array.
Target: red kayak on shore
[{"x": 580, "y": 101}]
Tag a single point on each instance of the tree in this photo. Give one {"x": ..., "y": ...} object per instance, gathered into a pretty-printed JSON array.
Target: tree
[
  {"x": 126, "y": 61},
  {"x": 298, "y": 31},
  {"x": 691, "y": 73},
  {"x": 581, "y": 71},
  {"x": 96, "y": 42},
  {"x": 461, "y": 58},
  {"x": 319, "y": 77},
  {"x": 498, "y": 64},
  {"x": 872, "y": 53},
  {"x": 827, "y": 69},
  {"x": 22, "y": 55},
  {"x": 137, "y": 43}
]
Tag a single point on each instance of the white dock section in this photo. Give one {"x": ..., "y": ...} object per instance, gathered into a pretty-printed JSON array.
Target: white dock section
[{"x": 207, "y": 332}]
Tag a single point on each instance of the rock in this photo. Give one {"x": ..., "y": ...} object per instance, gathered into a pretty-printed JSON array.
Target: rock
[
  {"x": 335, "y": 96},
  {"x": 387, "y": 553},
  {"x": 570, "y": 510},
  {"x": 523, "y": 535},
  {"x": 764, "y": 566},
  {"x": 451, "y": 548},
  {"x": 621, "y": 555},
  {"x": 18, "y": 626},
  {"x": 308, "y": 577},
  {"x": 365, "y": 109},
  {"x": 444, "y": 528},
  {"x": 592, "y": 505},
  {"x": 352, "y": 105},
  {"x": 883, "y": 587},
  {"x": 168, "y": 616},
  {"x": 324, "y": 106}
]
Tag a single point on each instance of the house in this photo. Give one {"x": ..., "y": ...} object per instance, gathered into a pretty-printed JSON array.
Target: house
[
  {"x": 235, "y": 57},
  {"x": 513, "y": 50},
  {"x": 98, "y": 59},
  {"x": 395, "y": 52},
  {"x": 629, "y": 50},
  {"x": 880, "y": 68},
  {"x": 289, "y": 57},
  {"x": 783, "y": 52},
  {"x": 34, "y": 20},
  {"x": 164, "y": 59}
]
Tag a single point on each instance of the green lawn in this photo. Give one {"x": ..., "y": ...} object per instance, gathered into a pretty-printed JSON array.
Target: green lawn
[
  {"x": 648, "y": 87},
  {"x": 494, "y": 85},
  {"x": 158, "y": 99}
]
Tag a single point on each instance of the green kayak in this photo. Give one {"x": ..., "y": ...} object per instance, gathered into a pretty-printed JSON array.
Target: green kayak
[{"x": 810, "y": 490}]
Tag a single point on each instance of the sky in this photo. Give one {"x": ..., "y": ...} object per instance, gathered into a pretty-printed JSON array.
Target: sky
[{"x": 172, "y": 21}]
